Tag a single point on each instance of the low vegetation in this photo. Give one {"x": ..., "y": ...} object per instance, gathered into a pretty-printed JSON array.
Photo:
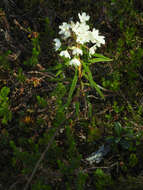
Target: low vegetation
[{"x": 55, "y": 122}]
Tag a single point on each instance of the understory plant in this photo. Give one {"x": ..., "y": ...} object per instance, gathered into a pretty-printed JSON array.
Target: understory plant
[{"x": 77, "y": 48}]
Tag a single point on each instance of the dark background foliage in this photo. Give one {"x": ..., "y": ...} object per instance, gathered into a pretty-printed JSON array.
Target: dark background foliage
[{"x": 31, "y": 95}]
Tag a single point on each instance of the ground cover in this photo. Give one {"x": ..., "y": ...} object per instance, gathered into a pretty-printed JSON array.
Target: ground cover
[{"x": 46, "y": 147}]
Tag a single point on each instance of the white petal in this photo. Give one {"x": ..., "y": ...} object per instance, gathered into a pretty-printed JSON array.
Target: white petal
[
  {"x": 83, "y": 17},
  {"x": 92, "y": 50},
  {"x": 77, "y": 51},
  {"x": 65, "y": 53},
  {"x": 75, "y": 62},
  {"x": 57, "y": 43}
]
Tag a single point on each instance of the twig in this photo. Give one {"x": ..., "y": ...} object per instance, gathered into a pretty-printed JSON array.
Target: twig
[
  {"x": 89, "y": 170},
  {"x": 43, "y": 154},
  {"x": 13, "y": 185},
  {"x": 42, "y": 73}
]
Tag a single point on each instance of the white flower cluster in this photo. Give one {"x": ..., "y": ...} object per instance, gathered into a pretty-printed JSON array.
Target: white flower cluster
[{"x": 81, "y": 34}]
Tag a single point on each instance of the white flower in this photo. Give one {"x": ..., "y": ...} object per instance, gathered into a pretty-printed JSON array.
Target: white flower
[
  {"x": 77, "y": 51},
  {"x": 75, "y": 62},
  {"x": 65, "y": 30},
  {"x": 83, "y": 17},
  {"x": 81, "y": 34},
  {"x": 82, "y": 38},
  {"x": 96, "y": 38},
  {"x": 100, "y": 41},
  {"x": 57, "y": 43},
  {"x": 94, "y": 35},
  {"x": 74, "y": 26},
  {"x": 65, "y": 53},
  {"x": 81, "y": 30},
  {"x": 92, "y": 50}
]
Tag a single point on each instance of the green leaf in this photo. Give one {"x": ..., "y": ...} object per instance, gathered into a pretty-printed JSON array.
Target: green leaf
[
  {"x": 77, "y": 108},
  {"x": 84, "y": 74},
  {"x": 4, "y": 91},
  {"x": 99, "y": 55},
  {"x": 1, "y": 111},
  {"x": 58, "y": 73},
  {"x": 99, "y": 172},
  {"x": 100, "y": 59},
  {"x": 118, "y": 128},
  {"x": 90, "y": 78},
  {"x": 133, "y": 160},
  {"x": 4, "y": 120},
  {"x": 73, "y": 86}
]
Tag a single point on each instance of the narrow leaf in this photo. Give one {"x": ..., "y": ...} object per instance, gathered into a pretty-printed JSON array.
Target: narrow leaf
[
  {"x": 99, "y": 55},
  {"x": 100, "y": 59},
  {"x": 92, "y": 82},
  {"x": 58, "y": 73},
  {"x": 118, "y": 128},
  {"x": 77, "y": 108},
  {"x": 73, "y": 86}
]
